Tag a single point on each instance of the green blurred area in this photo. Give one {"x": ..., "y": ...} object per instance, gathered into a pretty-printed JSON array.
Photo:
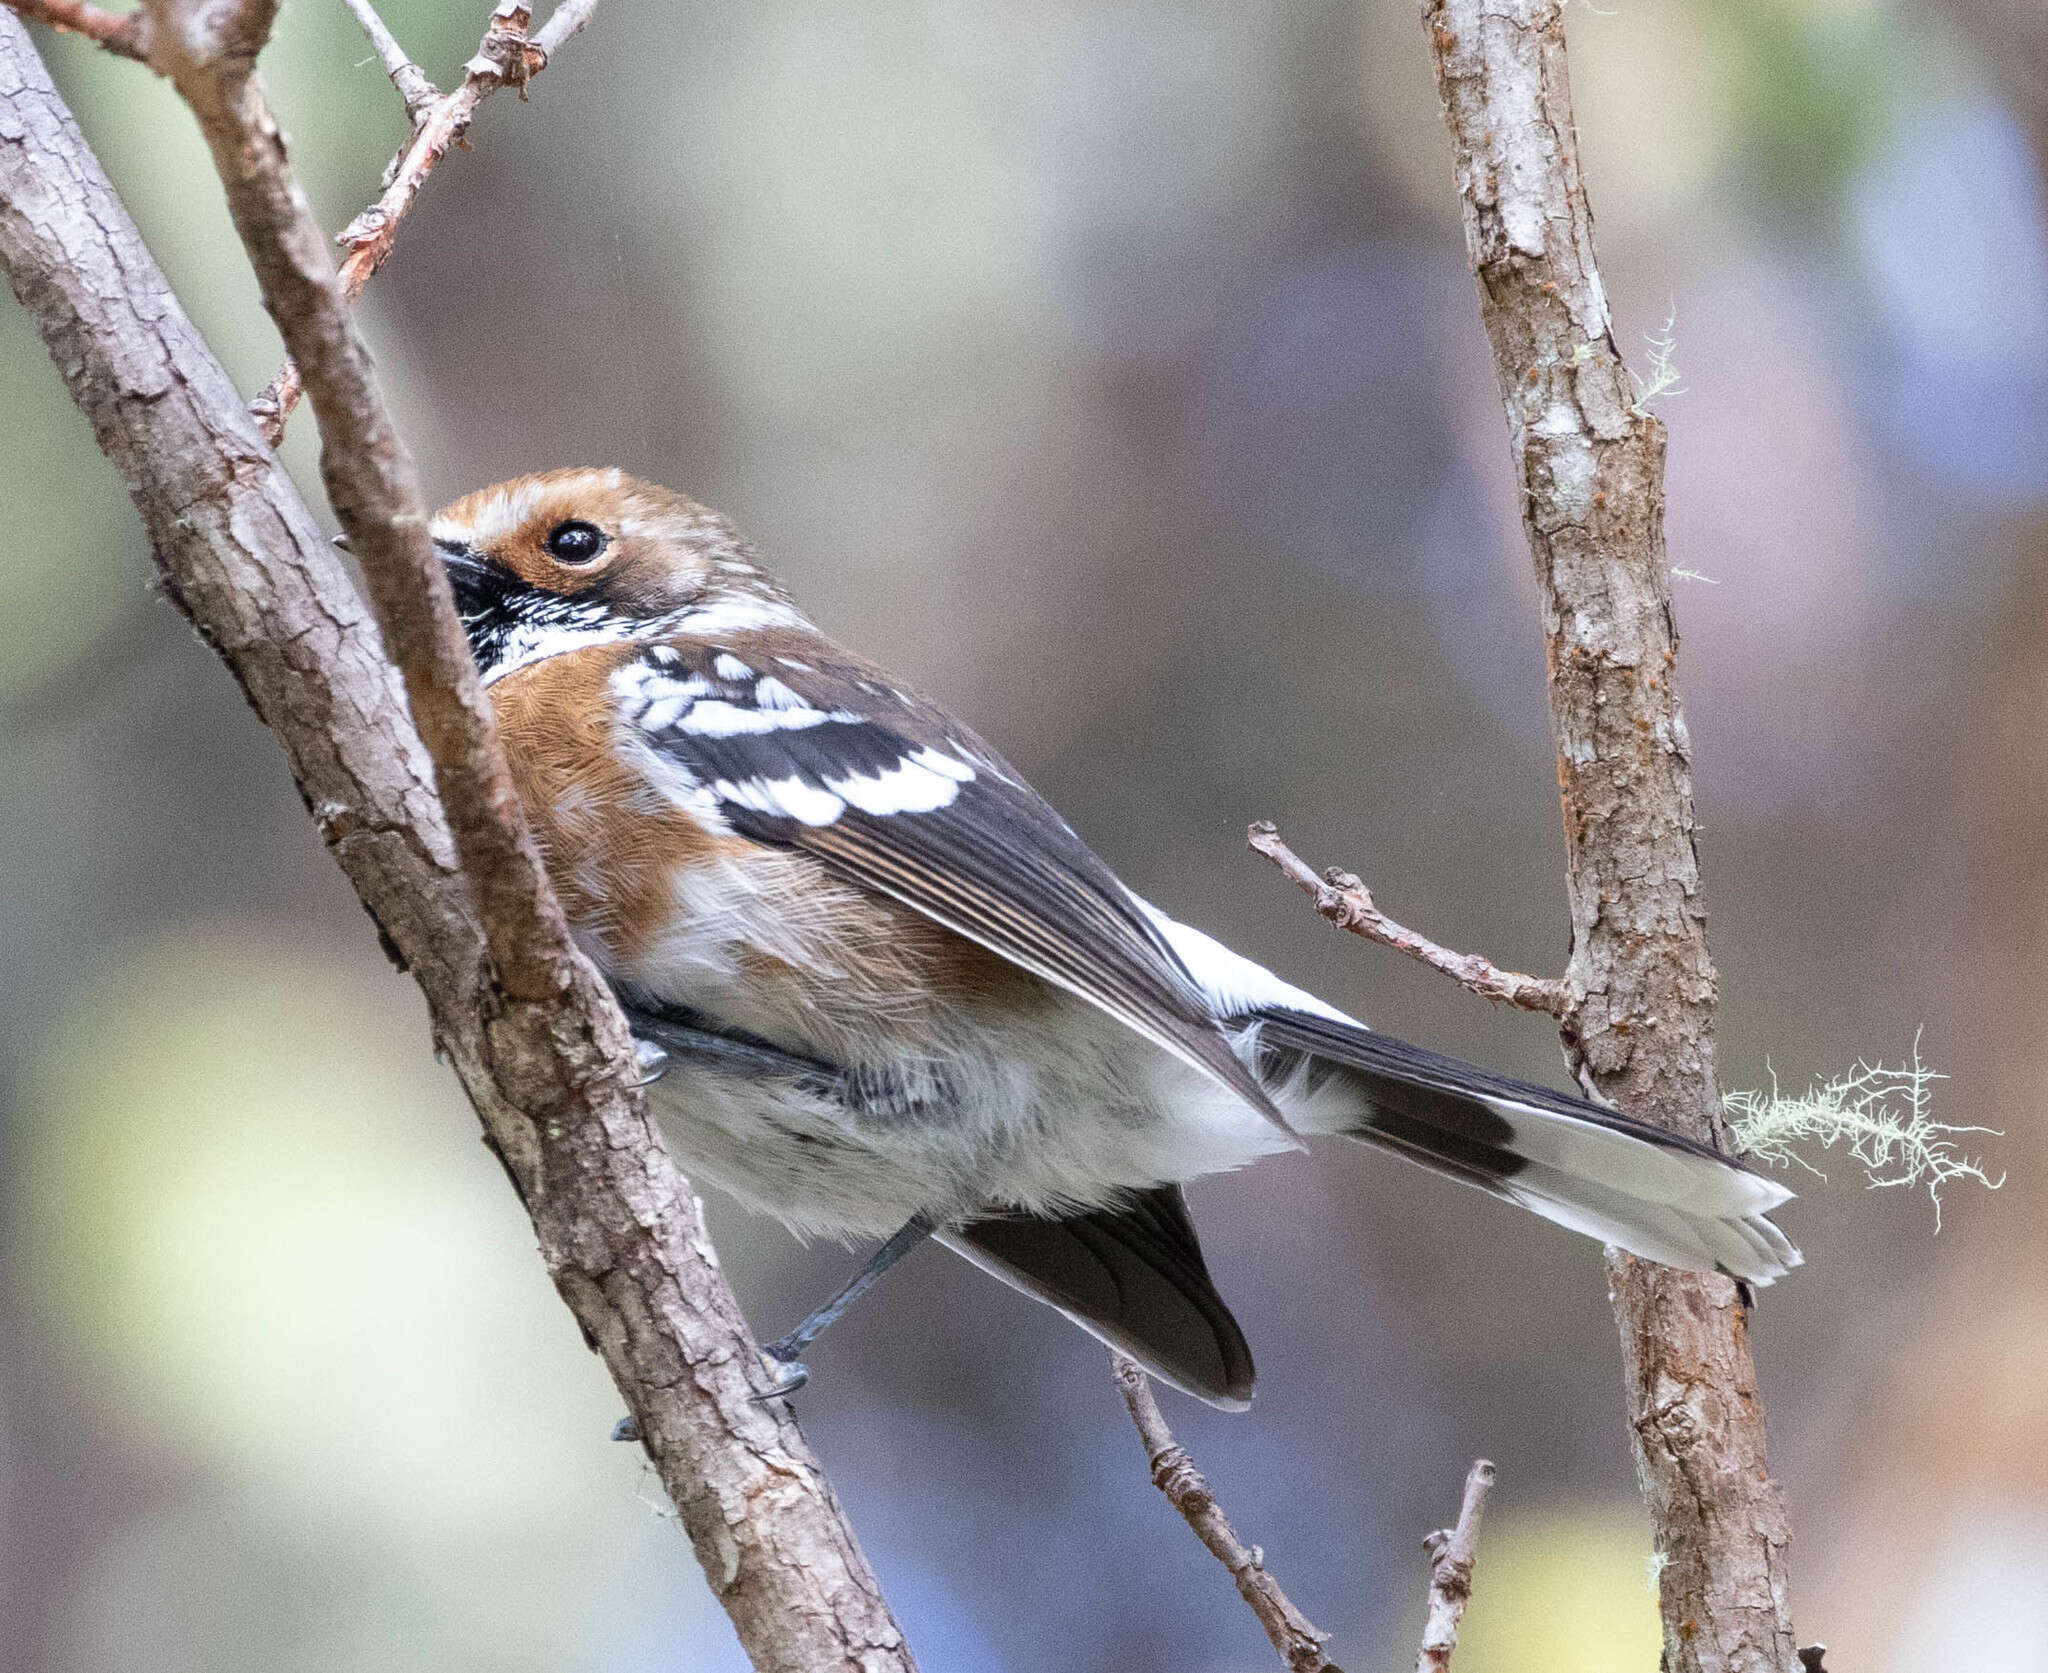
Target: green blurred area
[{"x": 257, "y": 1228}]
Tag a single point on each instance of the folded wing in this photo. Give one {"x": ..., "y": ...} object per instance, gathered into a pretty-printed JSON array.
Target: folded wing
[{"x": 890, "y": 793}]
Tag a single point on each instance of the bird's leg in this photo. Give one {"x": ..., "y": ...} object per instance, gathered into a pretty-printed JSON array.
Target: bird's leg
[{"x": 788, "y": 1351}]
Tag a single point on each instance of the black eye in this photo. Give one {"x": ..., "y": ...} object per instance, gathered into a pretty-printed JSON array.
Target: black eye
[{"x": 575, "y": 543}]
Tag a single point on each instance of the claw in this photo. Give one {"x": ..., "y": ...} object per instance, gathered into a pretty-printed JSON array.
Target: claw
[
  {"x": 650, "y": 1060},
  {"x": 791, "y": 1373},
  {"x": 626, "y": 1429}
]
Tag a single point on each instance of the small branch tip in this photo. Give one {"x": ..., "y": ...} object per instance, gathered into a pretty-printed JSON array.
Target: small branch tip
[
  {"x": 1291, "y": 1633},
  {"x": 505, "y": 57},
  {"x": 1453, "y": 1553},
  {"x": 1342, "y": 897}
]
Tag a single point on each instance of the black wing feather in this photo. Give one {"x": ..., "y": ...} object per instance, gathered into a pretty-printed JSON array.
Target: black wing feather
[{"x": 1133, "y": 1276}]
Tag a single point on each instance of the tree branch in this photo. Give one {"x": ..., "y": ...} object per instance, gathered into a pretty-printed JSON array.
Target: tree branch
[
  {"x": 410, "y": 80},
  {"x": 1452, "y": 1552},
  {"x": 1175, "y": 1475},
  {"x": 548, "y": 1070},
  {"x": 1639, "y": 1025},
  {"x": 565, "y": 20},
  {"x": 1343, "y": 899},
  {"x": 506, "y": 57},
  {"x": 121, "y": 33}
]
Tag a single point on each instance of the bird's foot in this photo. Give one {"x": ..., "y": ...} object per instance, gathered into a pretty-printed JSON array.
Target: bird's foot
[
  {"x": 626, "y": 1429},
  {"x": 785, "y": 1358},
  {"x": 650, "y": 1060}
]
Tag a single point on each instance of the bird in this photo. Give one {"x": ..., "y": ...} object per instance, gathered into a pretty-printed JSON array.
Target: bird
[{"x": 881, "y": 989}]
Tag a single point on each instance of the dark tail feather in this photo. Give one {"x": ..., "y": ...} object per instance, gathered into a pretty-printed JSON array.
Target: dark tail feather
[
  {"x": 1134, "y": 1277},
  {"x": 1592, "y": 1169}
]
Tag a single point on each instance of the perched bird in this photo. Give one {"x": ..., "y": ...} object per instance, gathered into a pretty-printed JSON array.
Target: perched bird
[{"x": 892, "y": 992}]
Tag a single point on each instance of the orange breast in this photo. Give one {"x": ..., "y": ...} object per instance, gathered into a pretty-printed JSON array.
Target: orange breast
[{"x": 612, "y": 847}]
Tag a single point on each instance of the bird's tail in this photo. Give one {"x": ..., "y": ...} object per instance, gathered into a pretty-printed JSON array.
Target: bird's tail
[{"x": 1591, "y": 1169}]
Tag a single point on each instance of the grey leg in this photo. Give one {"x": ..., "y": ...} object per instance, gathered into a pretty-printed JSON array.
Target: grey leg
[{"x": 789, "y": 1350}]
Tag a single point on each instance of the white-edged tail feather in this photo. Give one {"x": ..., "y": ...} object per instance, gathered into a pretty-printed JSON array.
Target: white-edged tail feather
[{"x": 1593, "y": 1170}]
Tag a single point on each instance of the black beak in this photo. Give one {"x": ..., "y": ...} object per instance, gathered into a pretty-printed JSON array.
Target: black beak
[{"x": 479, "y": 584}]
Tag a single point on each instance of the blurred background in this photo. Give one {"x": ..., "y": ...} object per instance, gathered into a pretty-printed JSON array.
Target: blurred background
[{"x": 1111, "y": 368}]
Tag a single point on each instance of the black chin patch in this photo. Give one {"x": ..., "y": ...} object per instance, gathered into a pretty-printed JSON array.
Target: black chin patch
[{"x": 491, "y": 600}]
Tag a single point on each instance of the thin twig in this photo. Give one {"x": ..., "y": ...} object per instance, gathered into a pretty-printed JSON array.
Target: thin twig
[
  {"x": 1343, "y": 899},
  {"x": 121, "y": 33},
  {"x": 410, "y": 80},
  {"x": 506, "y": 57},
  {"x": 1174, "y": 1474},
  {"x": 1451, "y": 1554},
  {"x": 565, "y": 20}
]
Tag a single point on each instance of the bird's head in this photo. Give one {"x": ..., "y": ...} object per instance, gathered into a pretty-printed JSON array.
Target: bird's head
[{"x": 544, "y": 564}]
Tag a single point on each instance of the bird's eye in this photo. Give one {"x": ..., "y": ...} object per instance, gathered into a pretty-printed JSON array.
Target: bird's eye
[{"x": 575, "y": 542}]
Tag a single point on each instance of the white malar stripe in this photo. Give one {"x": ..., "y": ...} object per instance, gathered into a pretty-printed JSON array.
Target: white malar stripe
[
  {"x": 531, "y": 642},
  {"x": 711, "y": 718},
  {"x": 787, "y": 798},
  {"x": 729, "y": 667},
  {"x": 578, "y": 629},
  {"x": 907, "y": 787}
]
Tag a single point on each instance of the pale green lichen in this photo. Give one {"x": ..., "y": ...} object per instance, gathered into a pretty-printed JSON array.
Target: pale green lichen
[
  {"x": 1882, "y": 1116},
  {"x": 1664, "y": 378}
]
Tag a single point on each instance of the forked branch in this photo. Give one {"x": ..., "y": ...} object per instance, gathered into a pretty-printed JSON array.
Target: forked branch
[
  {"x": 507, "y": 56},
  {"x": 1639, "y": 1024}
]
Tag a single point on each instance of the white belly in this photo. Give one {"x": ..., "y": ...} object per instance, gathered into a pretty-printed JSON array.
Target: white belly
[
  {"x": 1065, "y": 1109},
  {"x": 1029, "y": 1099}
]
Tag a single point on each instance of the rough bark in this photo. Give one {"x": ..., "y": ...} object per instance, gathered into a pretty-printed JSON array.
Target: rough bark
[
  {"x": 539, "y": 1046},
  {"x": 1639, "y": 1022}
]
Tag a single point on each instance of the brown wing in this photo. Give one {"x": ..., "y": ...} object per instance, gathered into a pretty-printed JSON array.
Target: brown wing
[{"x": 889, "y": 792}]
